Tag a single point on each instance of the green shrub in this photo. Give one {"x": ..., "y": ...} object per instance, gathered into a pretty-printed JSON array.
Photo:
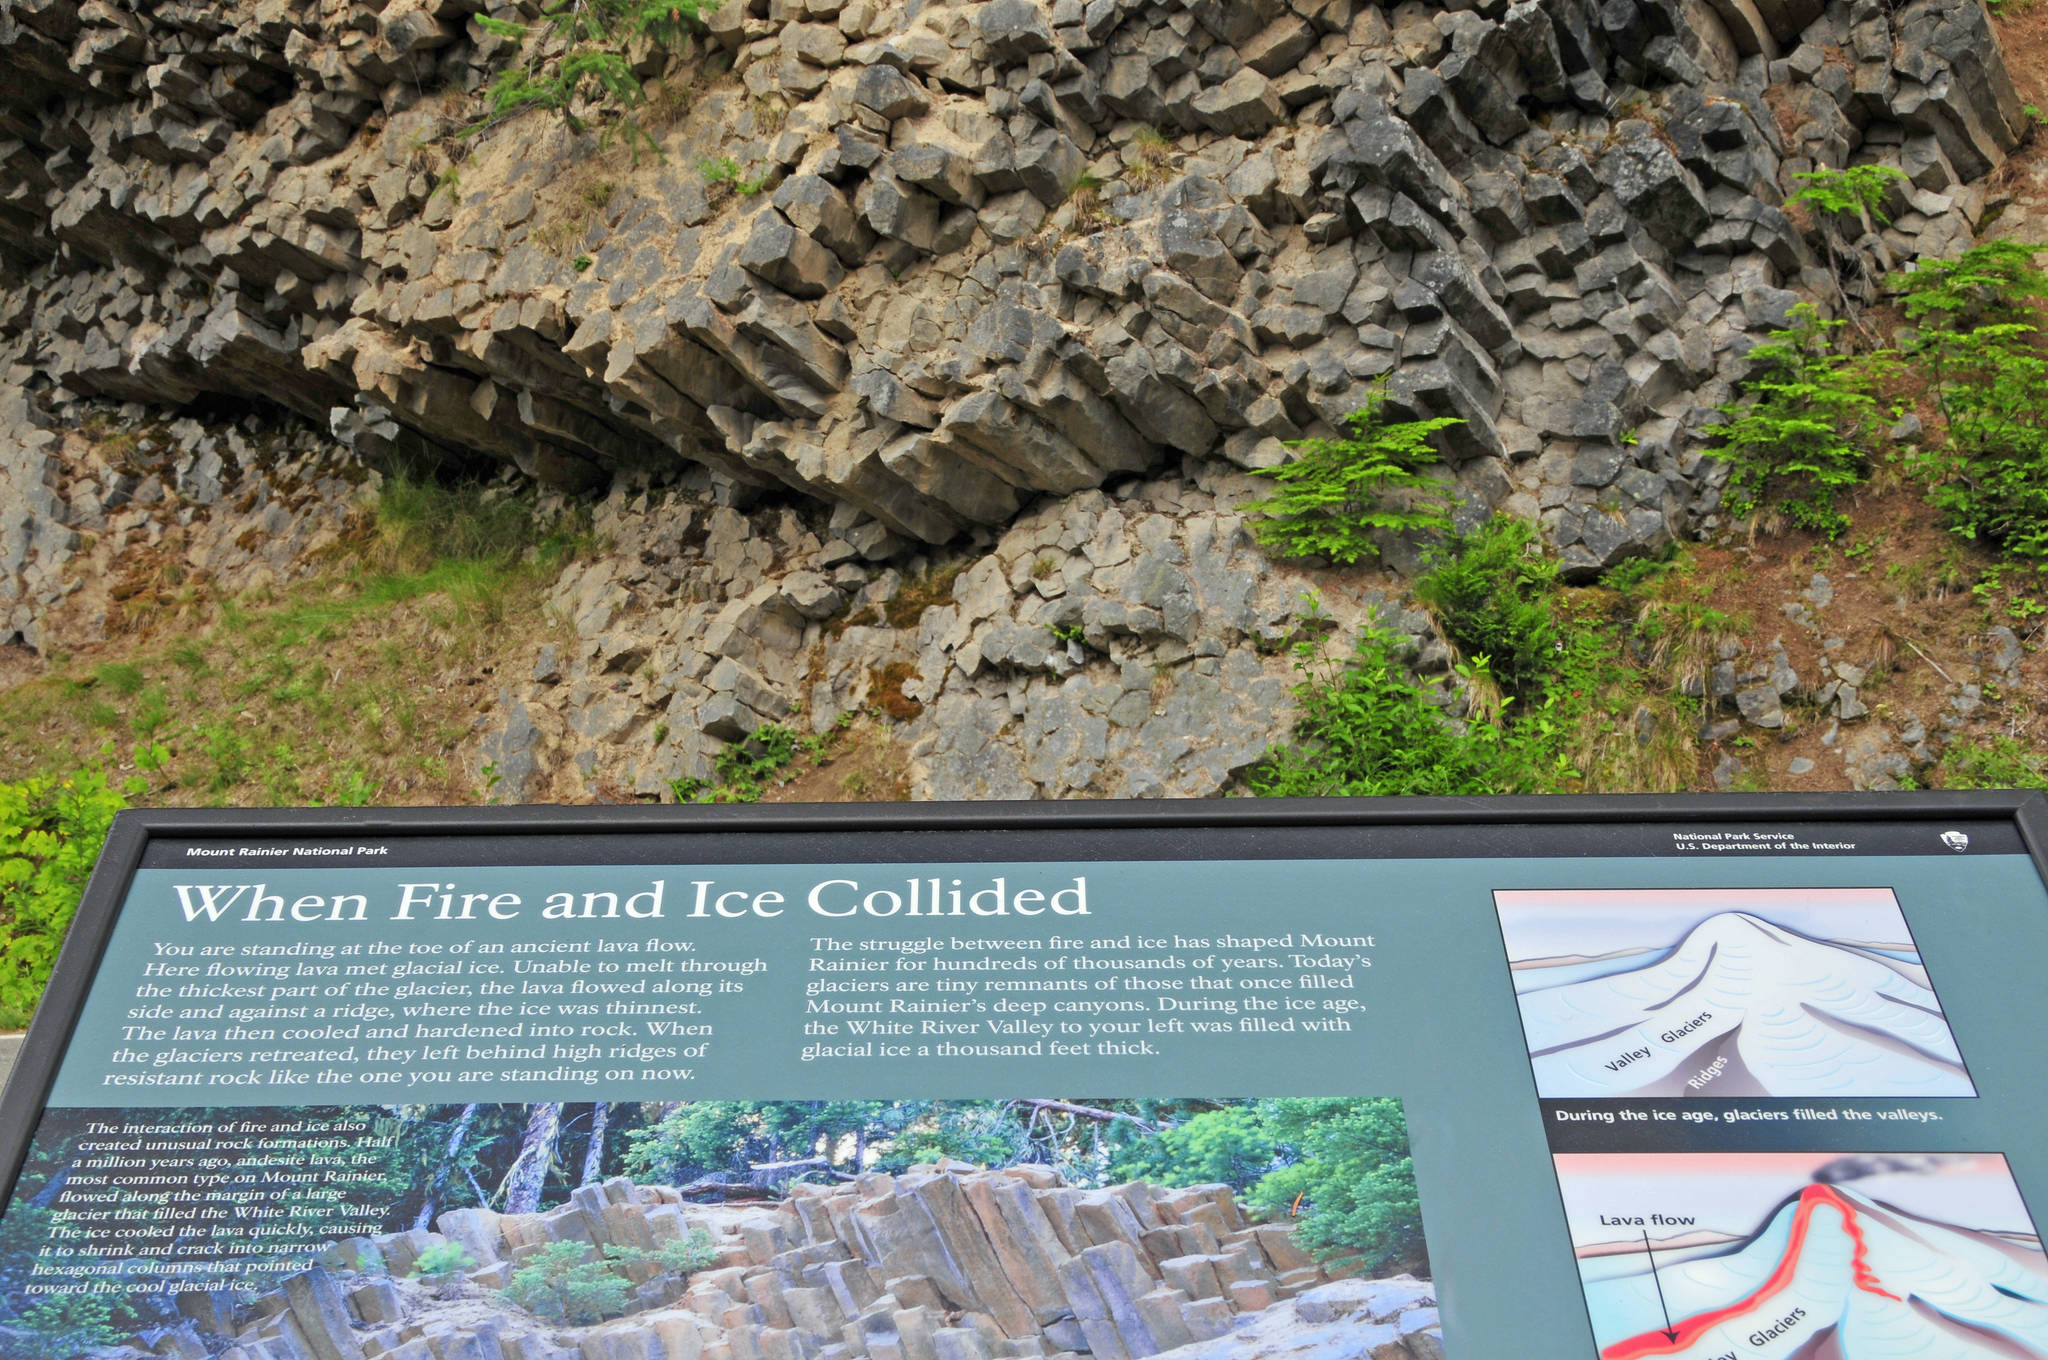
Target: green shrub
[
  {"x": 568, "y": 1282},
  {"x": 1979, "y": 344},
  {"x": 50, "y": 834},
  {"x": 63, "y": 1328},
  {"x": 1858, "y": 189},
  {"x": 745, "y": 769},
  {"x": 683, "y": 1256},
  {"x": 1356, "y": 1179},
  {"x": 1372, "y": 730},
  {"x": 1230, "y": 1146},
  {"x": 1857, "y": 193},
  {"x": 1491, "y": 593},
  {"x": 2001, "y": 763},
  {"x": 592, "y": 68},
  {"x": 1801, "y": 439},
  {"x": 725, "y": 170},
  {"x": 1338, "y": 492},
  {"x": 442, "y": 1262},
  {"x": 1538, "y": 698},
  {"x": 1338, "y": 1169},
  {"x": 1991, "y": 284}
]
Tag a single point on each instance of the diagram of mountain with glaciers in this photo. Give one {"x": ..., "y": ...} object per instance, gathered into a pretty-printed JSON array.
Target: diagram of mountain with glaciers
[
  {"x": 1833, "y": 1275},
  {"x": 1740, "y": 1006}
]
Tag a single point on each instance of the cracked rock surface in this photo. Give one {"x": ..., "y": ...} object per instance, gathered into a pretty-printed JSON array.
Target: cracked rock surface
[{"x": 1024, "y": 291}]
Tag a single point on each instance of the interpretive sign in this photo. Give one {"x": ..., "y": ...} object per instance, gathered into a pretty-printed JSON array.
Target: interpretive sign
[{"x": 1560, "y": 1079}]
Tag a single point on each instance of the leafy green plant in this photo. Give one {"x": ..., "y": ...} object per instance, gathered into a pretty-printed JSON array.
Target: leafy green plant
[
  {"x": 2000, "y": 763},
  {"x": 50, "y": 834},
  {"x": 1337, "y": 1169},
  {"x": 1856, "y": 189},
  {"x": 724, "y": 170},
  {"x": 1801, "y": 439},
  {"x": 441, "y": 1264},
  {"x": 1356, "y": 1176},
  {"x": 225, "y": 750},
  {"x": 1543, "y": 711},
  {"x": 1491, "y": 594},
  {"x": 1978, "y": 343},
  {"x": 64, "y": 1327},
  {"x": 683, "y": 1256},
  {"x": 1339, "y": 492},
  {"x": 1856, "y": 192},
  {"x": 352, "y": 789},
  {"x": 568, "y": 1282},
  {"x": 152, "y": 710},
  {"x": 589, "y": 38},
  {"x": 745, "y": 767},
  {"x": 1373, "y": 729}
]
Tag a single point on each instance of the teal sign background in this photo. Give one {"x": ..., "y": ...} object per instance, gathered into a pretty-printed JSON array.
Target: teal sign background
[{"x": 1438, "y": 1028}]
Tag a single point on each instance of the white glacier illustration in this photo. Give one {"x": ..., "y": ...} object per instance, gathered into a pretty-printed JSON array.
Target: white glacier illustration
[
  {"x": 1742, "y": 1007},
  {"x": 1834, "y": 1275}
]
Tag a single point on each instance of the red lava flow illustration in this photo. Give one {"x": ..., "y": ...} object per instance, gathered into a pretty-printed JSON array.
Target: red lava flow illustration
[{"x": 1690, "y": 1329}]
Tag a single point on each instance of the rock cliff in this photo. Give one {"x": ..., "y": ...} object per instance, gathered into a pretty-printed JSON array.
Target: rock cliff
[
  {"x": 941, "y": 1263},
  {"x": 1024, "y": 291}
]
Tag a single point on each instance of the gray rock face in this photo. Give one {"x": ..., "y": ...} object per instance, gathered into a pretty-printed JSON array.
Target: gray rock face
[
  {"x": 791, "y": 260},
  {"x": 1347, "y": 202},
  {"x": 1659, "y": 192},
  {"x": 887, "y": 92},
  {"x": 974, "y": 297}
]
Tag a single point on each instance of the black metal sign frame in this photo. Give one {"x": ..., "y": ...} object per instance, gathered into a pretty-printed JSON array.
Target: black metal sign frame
[{"x": 133, "y": 832}]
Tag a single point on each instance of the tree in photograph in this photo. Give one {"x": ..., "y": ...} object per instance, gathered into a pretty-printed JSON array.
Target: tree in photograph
[
  {"x": 431, "y": 1205},
  {"x": 593, "y": 1154},
  {"x": 1231, "y": 1146},
  {"x": 529, "y": 1173},
  {"x": 1854, "y": 195},
  {"x": 568, "y": 1282},
  {"x": 442, "y": 1265},
  {"x": 1352, "y": 1186},
  {"x": 63, "y": 1328}
]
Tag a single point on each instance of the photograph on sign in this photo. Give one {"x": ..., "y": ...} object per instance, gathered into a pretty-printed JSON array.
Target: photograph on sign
[
  {"x": 1793, "y": 1255},
  {"x": 965, "y": 1230},
  {"x": 1717, "y": 992}
]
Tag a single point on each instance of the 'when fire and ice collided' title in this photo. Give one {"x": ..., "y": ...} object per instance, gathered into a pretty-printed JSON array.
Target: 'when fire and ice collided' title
[{"x": 708, "y": 899}]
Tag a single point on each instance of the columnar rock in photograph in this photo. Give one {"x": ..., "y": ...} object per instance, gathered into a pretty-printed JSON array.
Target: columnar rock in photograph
[{"x": 943, "y": 1264}]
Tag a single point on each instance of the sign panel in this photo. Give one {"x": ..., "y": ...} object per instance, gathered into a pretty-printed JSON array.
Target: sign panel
[{"x": 1566, "y": 1079}]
